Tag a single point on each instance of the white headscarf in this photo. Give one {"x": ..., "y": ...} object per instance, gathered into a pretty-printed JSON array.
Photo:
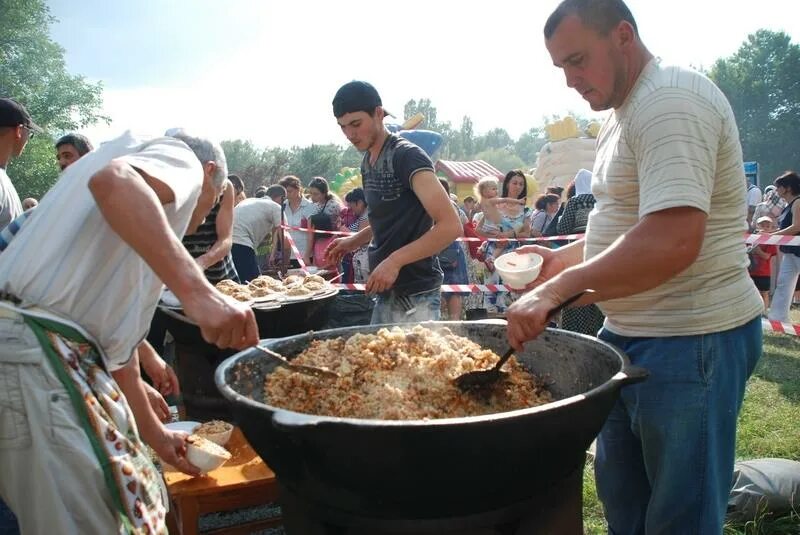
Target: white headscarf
[{"x": 583, "y": 182}]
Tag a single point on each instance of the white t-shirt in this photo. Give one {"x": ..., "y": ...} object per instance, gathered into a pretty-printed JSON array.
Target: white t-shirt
[
  {"x": 253, "y": 219},
  {"x": 297, "y": 219},
  {"x": 69, "y": 261},
  {"x": 753, "y": 196},
  {"x": 674, "y": 143},
  {"x": 10, "y": 205}
]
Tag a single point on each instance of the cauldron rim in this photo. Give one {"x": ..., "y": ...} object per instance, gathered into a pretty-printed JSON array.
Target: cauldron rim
[{"x": 626, "y": 374}]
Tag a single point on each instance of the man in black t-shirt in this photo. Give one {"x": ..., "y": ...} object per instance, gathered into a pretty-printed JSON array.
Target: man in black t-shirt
[{"x": 410, "y": 215}]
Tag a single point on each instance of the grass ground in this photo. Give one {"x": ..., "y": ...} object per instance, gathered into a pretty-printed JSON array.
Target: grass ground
[{"x": 769, "y": 426}]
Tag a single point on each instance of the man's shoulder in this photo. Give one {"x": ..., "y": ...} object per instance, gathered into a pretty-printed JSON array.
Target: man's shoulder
[
  {"x": 401, "y": 146},
  {"x": 664, "y": 80}
]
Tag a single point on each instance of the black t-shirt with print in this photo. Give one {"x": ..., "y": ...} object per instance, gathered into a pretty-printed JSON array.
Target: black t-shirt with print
[{"x": 396, "y": 215}]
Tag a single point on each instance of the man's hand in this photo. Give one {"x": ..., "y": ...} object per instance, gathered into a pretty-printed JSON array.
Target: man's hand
[
  {"x": 382, "y": 277},
  {"x": 170, "y": 446},
  {"x": 157, "y": 402},
  {"x": 223, "y": 322},
  {"x": 338, "y": 248},
  {"x": 160, "y": 373},
  {"x": 527, "y": 317}
]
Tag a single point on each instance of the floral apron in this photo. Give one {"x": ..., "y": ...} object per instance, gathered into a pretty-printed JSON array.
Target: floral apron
[{"x": 103, "y": 412}]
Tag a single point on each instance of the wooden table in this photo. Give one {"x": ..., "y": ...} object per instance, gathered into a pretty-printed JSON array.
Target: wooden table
[{"x": 243, "y": 481}]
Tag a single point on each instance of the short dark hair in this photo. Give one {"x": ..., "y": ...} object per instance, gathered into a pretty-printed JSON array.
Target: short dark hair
[
  {"x": 790, "y": 181},
  {"x": 445, "y": 185},
  {"x": 79, "y": 141},
  {"x": 275, "y": 190},
  {"x": 600, "y": 15},
  {"x": 321, "y": 221},
  {"x": 543, "y": 200},
  {"x": 469, "y": 198},
  {"x": 355, "y": 195},
  {"x": 511, "y": 174},
  {"x": 238, "y": 184},
  {"x": 555, "y": 190}
]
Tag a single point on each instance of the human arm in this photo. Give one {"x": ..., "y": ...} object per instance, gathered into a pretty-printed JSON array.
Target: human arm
[
  {"x": 341, "y": 246},
  {"x": 446, "y": 228},
  {"x": 160, "y": 373},
  {"x": 222, "y": 246},
  {"x": 634, "y": 263},
  {"x": 131, "y": 202},
  {"x": 169, "y": 445}
]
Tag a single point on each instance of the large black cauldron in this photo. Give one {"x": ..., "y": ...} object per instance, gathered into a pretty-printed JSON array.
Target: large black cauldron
[{"x": 437, "y": 468}]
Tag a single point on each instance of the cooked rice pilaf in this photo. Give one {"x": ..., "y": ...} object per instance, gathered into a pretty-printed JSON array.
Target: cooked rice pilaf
[{"x": 400, "y": 375}]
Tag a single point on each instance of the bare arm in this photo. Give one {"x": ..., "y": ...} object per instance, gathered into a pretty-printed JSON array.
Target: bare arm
[
  {"x": 340, "y": 246},
  {"x": 168, "y": 445},
  {"x": 634, "y": 263},
  {"x": 131, "y": 202},
  {"x": 222, "y": 246}
]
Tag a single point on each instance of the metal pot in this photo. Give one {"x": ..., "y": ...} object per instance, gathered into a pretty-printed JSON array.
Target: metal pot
[{"x": 435, "y": 468}]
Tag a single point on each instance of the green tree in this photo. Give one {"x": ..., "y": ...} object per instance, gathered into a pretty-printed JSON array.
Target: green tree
[
  {"x": 503, "y": 159},
  {"x": 529, "y": 144},
  {"x": 316, "y": 160},
  {"x": 32, "y": 70},
  {"x": 762, "y": 83},
  {"x": 496, "y": 138},
  {"x": 256, "y": 167}
]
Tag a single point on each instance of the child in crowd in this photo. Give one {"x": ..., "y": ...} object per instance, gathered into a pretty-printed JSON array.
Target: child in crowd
[
  {"x": 323, "y": 221},
  {"x": 761, "y": 255}
]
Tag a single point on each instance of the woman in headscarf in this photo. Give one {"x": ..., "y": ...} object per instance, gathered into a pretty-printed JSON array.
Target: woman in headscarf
[
  {"x": 588, "y": 319},
  {"x": 579, "y": 204}
]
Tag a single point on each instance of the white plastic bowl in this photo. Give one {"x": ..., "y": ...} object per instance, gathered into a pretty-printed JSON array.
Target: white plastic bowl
[
  {"x": 518, "y": 270},
  {"x": 204, "y": 454},
  {"x": 220, "y": 438}
]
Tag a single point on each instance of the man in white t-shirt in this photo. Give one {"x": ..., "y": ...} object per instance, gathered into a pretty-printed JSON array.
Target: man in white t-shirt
[
  {"x": 78, "y": 286},
  {"x": 253, "y": 220},
  {"x": 16, "y": 128},
  {"x": 665, "y": 255},
  {"x": 754, "y": 197}
]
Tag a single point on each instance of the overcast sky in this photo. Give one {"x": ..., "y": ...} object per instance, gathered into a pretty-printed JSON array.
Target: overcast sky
[{"x": 267, "y": 71}]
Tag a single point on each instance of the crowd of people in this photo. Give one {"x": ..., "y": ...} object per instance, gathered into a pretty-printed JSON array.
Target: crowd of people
[{"x": 663, "y": 252}]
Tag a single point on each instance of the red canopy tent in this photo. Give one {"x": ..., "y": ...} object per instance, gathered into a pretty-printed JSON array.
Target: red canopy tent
[
  {"x": 471, "y": 172},
  {"x": 464, "y": 175}
]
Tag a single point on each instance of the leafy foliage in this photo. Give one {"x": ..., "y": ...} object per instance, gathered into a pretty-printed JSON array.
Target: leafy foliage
[
  {"x": 762, "y": 84},
  {"x": 32, "y": 71}
]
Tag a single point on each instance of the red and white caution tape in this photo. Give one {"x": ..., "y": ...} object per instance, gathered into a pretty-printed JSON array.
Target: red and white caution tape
[
  {"x": 446, "y": 288},
  {"x": 298, "y": 255},
  {"x": 766, "y": 239},
  {"x": 780, "y": 327},
  {"x": 769, "y": 239}
]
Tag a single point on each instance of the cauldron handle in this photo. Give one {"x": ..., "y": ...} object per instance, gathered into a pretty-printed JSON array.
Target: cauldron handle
[{"x": 631, "y": 374}]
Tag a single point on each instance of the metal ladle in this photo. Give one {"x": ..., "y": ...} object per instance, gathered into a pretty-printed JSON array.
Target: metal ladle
[
  {"x": 482, "y": 378},
  {"x": 300, "y": 368}
]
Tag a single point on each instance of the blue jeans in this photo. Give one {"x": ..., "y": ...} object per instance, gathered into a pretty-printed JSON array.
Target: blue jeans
[
  {"x": 665, "y": 455},
  {"x": 392, "y": 308}
]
